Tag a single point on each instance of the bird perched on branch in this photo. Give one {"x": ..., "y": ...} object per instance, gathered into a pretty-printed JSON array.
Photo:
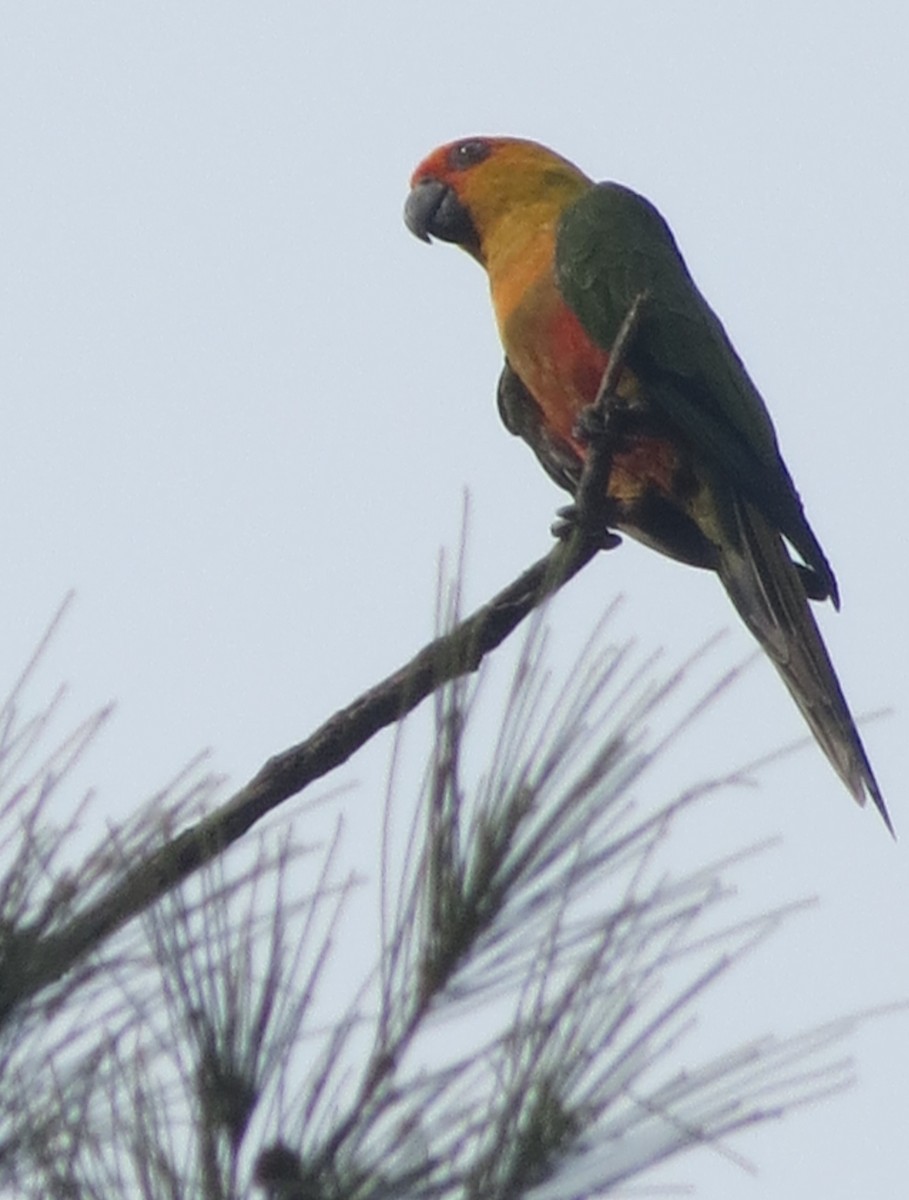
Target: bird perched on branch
[{"x": 694, "y": 466}]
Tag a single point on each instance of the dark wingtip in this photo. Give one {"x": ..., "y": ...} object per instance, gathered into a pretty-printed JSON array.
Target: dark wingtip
[
  {"x": 881, "y": 807},
  {"x": 863, "y": 784},
  {"x": 833, "y": 588}
]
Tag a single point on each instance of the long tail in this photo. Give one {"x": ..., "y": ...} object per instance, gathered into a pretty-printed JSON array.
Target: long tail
[{"x": 765, "y": 587}]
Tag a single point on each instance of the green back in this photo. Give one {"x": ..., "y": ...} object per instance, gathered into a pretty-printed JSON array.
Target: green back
[{"x": 612, "y": 244}]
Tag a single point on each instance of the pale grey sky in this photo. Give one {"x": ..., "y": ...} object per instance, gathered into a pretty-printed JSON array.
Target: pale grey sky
[{"x": 241, "y": 405}]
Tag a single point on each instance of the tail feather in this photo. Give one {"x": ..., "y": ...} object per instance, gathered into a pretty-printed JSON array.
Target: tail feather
[{"x": 764, "y": 585}]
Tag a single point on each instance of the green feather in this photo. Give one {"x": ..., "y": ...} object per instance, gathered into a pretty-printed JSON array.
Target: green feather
[{"x": 611, "y": 245}]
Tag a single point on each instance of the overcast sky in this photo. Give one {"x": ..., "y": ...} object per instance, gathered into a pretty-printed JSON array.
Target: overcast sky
[{"x": 241, "y": 406}]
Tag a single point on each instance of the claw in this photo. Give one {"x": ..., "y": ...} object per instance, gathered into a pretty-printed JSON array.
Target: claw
[
  {"x": 607, "y": 540},
  {"x": 567, "y": 522}
]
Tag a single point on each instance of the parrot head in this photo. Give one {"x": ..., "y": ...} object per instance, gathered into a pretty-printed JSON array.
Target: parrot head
[{"x": 467, "y": 192}]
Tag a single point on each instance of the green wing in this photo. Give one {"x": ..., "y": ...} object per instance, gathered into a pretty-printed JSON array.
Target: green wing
[{"x": 613, "y": 244}]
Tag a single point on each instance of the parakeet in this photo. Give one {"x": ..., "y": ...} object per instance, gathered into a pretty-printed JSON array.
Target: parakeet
[{"x": 696, "y": 469}]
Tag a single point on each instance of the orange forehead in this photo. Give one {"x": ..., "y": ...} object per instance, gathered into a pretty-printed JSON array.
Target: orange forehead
[
  {"x": 456, "y": 161},
  {"x": 455, "y": 157}
]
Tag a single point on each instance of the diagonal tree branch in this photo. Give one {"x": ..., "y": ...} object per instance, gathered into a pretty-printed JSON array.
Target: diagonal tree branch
[{"x": 40, "y": 960}]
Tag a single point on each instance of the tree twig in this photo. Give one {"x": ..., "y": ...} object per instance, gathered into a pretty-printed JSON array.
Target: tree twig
[
  {"x": 43, "y": 959},
  {"x": 592, "y": 498}
]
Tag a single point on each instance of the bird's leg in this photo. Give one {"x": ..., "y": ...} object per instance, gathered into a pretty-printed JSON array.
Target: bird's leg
[
  {"x": 595, "y": 427},
  {"x": 604, "y": 421},
  {"x": 599, "y": 427}
]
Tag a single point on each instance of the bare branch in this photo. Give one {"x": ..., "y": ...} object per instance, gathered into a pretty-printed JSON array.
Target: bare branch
[{"x": 460, "y": 652}]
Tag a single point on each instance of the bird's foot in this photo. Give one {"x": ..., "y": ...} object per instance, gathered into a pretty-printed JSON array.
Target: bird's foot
[
  {"x": 567, "y": 521},
  {"x": 596, "y": 422}
]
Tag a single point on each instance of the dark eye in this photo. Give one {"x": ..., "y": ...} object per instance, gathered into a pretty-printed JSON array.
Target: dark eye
[{"x": 468, "y": 154}]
